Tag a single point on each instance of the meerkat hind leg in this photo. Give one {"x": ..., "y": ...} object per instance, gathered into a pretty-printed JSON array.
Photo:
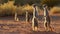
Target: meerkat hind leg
[
  {"x": 36, "y": 28},
  {"x": 46, "y": 26}
]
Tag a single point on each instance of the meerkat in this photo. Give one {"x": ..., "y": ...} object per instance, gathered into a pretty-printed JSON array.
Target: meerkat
[
  {"x": 34, "y": 19},
  {"x": 46, "y": 19},
  {"x": 16, "y": 18}
]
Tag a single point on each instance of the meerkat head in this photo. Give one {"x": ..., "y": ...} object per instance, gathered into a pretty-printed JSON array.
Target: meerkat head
[
  {"x": 45, "y": 6},
  {"x": 34, "y": 5}
]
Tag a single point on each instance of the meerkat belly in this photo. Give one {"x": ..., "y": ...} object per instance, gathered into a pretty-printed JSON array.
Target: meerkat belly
[
  {"x": 35, "y": 22},
  {"x": 47, "y": 21}
]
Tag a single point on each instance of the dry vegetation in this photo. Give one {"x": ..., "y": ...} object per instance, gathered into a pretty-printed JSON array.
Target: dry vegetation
[
  {"x": 9, "y": 8},
  {"x": 11, "y": 27},
  {"x": 55, "y": 10}
]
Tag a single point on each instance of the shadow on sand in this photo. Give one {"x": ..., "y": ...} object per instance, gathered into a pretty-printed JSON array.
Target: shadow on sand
[{"x": 44, "y": 32}]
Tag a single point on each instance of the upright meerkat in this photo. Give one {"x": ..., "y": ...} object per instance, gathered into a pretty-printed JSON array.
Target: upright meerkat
[
  {"x": 16, "y": 18},
  {"x": 46, "y": 19},
  {"x": 34, "y": 19}
]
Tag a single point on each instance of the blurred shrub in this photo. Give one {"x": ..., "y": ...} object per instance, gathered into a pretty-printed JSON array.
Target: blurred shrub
[
  {"x": 55, "y": 10},
  {"x": 50, "y": 3},
  {"x": 23, "y": 2},
  {"x": 9, "y": 9}
]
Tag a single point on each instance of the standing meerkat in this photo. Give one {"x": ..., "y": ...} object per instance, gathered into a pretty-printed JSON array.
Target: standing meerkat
[
  {"x": 46, "y": 19},
  {"x": 16, "y": 18},
  {"x": 34, "y": 19}
]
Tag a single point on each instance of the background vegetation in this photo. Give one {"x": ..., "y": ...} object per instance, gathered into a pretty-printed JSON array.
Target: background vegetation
[{"x": 9, "y": 7}]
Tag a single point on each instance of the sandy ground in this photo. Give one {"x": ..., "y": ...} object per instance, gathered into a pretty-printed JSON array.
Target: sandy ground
[{"x": 9, "y": 26}]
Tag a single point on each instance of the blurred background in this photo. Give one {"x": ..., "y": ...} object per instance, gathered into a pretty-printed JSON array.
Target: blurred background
[
  {"x": 8, "y": 7},
  {"x": 7, "y": 14}
]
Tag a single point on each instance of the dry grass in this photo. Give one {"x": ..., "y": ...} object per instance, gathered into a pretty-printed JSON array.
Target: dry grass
[
  {"x": 9, "y": 8},
  {"x": 55, "y": 10}
]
